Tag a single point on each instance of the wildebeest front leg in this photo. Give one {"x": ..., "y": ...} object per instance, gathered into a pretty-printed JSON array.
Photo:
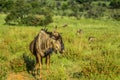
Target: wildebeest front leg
[
  {"x": 48, "y": 62},
  {"x": 38, "y": 65}
]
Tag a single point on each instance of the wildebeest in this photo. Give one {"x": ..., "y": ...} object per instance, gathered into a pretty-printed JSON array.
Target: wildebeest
[
  {"x": 91, "y": 39},
  {"x": 65, "y": 25},
  {"x": 79, "y": 31},
  {"x": 43, "y": 45}
]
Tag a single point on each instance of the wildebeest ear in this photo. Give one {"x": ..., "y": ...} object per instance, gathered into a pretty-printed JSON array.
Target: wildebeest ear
[{"x": 44, "y": 29}]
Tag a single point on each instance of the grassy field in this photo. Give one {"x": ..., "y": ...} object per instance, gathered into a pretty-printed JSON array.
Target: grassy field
[{"x": 98, "y": 59}]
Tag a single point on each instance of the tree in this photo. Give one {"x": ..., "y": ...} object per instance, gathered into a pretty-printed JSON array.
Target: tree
[
  {"x": 21, "y": 9},
  {"x": 25, "y": 12},
  {"x": 6, "y": 5},
  {"x": 115, "y": 4}
]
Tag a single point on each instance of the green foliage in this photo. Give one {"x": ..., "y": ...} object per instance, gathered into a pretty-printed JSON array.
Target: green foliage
[
  {"x": 116, "y": 14},
  {"x": 25, "y": 13},
  {"x": 104, "y": 66},
  {"x": 77, "y": 8},
  {"x": 95, "y": 12},
  {"x": 37, "y": 20},
  {"x": 6, "y": 5},
  {"x": 11, "y": 18},
  {"x": 3, "y": 70},
  {"x": 22, "y": 63},
  {"x": 18, "y": 65},
  {"x": 58, "y": 74},
  {"x": 82, "y": 59},
  {"x": 20, "y": 10},
  {"x": 115, "y": 4},
  {"x": 34, "y": 20},
  {"x": 83, "y": 1}
]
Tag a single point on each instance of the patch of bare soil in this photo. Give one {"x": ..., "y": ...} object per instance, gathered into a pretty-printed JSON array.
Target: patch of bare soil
[{"x": 19, "y": 76}]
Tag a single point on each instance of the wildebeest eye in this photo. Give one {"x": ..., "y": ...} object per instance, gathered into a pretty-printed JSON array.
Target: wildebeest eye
[{"x": 53, "y": 37}]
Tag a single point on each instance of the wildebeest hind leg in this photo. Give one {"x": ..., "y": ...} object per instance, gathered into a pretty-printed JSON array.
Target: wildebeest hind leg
[{"x": 35, "y": 72}]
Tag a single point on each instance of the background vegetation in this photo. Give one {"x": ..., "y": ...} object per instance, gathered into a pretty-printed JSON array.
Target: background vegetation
[
  {"x": 83, "y": 59},
  {"x": 40, "y": 12}
]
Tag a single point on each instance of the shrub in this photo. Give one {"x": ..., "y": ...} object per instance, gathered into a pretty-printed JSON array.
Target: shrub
[
  {"x": 24, "y": 13},
  {"x": 36, "y": 20},
  {"x": 18, "y": 65},
  {"x": 3, "y": 71},
  {"x": 115, "y": 14},
  {"x": 11, "y": 18},
  {"x": 96, "y": 66},
  {"x": 58, "y": 74},
  {"x": 47, "y": 20},
  {"x": 95, "y": 12},
  {"x": 22, "y": 63},
  {"x": 115, "y": 4},
  {"x": 33, "y": 20}
]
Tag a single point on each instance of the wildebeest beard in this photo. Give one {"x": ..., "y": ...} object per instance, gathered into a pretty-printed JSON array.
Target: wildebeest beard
[{"x": 49, "y": 51}]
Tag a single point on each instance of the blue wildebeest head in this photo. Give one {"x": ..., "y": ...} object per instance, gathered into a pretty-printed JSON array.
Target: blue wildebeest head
[{"x": 57, "y": 42}]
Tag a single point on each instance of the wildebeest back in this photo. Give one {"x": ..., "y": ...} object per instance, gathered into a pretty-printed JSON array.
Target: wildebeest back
[{"x": 41, "y": 44}]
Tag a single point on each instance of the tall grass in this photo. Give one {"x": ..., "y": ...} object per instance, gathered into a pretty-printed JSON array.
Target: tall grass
[{"x": 82, "y": 60}]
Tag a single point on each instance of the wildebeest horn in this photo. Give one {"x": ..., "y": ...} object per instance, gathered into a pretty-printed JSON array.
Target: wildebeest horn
[{"x": 45, "y": 29}]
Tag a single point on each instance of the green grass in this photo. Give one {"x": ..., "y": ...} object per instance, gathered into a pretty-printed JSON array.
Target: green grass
[{"x": 82, "y": 60}]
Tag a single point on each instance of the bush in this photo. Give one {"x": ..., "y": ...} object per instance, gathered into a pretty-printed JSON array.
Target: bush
[
  {"x": 58, "y": 74},
  {"x": 33, "y": 20},
  {"x": 24, "y": 13},
  {"x": 22, "y": 63},
  {"x": 3, "y": 71},
  {"x": 18, "y": 65},
  {"x": 95, "y": 12},
  {"x": 115, "y": 4},
  {"x": 36, "y": 20},
  {"x": 96, "y": 67},
  {"x": 11, "y": 18},
  {"x": 48, "y": 19},
  {"x": 115, "y": 14}
]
